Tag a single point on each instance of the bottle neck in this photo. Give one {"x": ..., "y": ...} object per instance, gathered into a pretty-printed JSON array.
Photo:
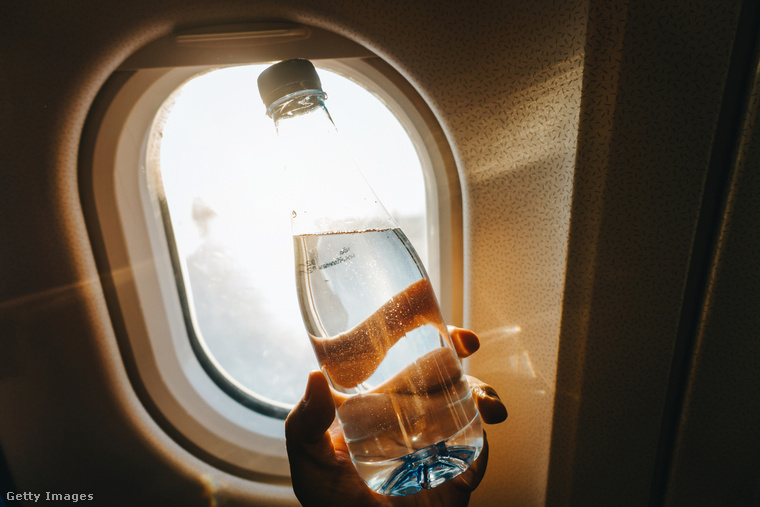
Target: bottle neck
[
  {"x": 302, "y": 104},
  {"x": 328, "y": 192}
]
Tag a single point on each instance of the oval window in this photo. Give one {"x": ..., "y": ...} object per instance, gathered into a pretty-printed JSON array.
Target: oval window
[{"x": 225, "y": 211}]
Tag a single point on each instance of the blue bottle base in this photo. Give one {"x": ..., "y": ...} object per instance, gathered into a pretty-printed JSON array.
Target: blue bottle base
[
  {"x": 427, "y": 468},
  {"x": 424, "y": 468}
]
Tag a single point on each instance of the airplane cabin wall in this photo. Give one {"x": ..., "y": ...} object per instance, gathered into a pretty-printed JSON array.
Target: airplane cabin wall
[
  {"x": 648, "y": 361},
  {"x": 716, "y": 452}
]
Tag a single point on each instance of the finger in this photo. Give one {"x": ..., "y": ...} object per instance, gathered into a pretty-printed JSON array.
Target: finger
[
  {"x": 309, "y": 445},
  {"x": 492, "y": 409},
  {"x": 312, "y": 416},
  {"x": 470, "y": 480},
  {"x": 465, "y": 341}
]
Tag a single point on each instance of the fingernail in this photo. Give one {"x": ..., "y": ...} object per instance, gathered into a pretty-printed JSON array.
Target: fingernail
[
  {"x": 500, "y": 413},
  {"x": 470, "y": 341}
]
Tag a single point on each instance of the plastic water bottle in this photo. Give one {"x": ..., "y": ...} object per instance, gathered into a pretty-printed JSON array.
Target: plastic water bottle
[{"x": 402, "y": 401}]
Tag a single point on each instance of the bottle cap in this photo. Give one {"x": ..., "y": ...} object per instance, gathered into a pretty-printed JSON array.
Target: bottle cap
[{"x": 286, "y": 77}]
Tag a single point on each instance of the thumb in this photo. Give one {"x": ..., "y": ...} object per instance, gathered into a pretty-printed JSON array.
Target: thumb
[{"x": 312, "y": 416}]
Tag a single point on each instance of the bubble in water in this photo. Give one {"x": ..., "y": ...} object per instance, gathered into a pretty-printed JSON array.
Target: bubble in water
[{"x": 293, "y": 214}]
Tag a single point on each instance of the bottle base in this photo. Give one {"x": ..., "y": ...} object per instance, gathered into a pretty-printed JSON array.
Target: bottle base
[{"x": 427, "y": 468}]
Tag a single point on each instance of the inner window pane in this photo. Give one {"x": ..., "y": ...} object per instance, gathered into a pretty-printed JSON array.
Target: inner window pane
[{"x": 230, "y": 220}]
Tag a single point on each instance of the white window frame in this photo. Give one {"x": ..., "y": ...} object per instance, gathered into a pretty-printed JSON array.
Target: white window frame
[{"x": 136, "y": 258}]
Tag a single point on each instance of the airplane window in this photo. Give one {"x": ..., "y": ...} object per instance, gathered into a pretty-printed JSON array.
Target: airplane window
[
  {"x": 191, "y": 219},
  {"x": 224, "y": 204}
]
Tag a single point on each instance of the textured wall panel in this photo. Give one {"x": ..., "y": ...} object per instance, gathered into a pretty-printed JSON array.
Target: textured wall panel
[
  {"x": 517, "y": 145},
  {"x": 653, "y": 86},
  {"x": 717, "y": 452}
]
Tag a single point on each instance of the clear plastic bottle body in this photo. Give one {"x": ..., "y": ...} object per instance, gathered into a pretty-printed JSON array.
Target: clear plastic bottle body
[
  {"x": 328, "y": 193},
  {"x": 402, "y": 400},
  {"x": 401, "y": 397}
]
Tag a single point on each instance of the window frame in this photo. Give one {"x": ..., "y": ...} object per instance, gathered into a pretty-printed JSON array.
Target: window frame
[{"x": 134, "y": 254}]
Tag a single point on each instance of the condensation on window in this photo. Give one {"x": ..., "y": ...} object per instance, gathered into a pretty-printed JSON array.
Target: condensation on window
[{"x": 226, "y": 201}]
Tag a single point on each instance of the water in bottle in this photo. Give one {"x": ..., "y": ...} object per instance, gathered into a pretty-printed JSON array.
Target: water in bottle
[{"x": 402, "y": 401}]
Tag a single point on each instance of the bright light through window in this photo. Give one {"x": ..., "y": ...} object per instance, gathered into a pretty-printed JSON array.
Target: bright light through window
[{"x": 229, "y": 217}]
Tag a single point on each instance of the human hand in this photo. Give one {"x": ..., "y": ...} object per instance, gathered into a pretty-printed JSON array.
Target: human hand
[{"x": 320, "y": 464}]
